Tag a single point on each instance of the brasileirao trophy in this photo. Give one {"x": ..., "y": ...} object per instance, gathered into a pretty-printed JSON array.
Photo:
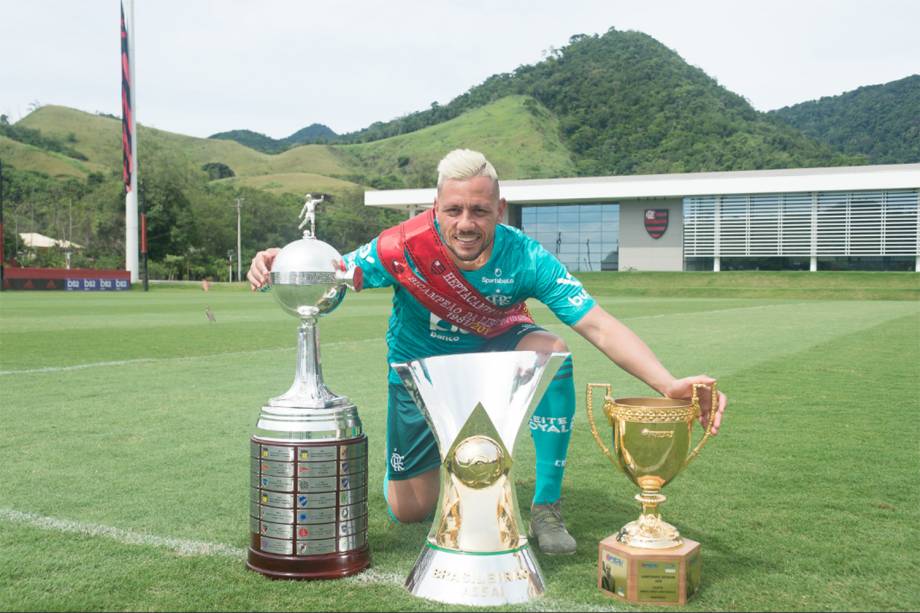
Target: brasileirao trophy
[
  {"x": 308, "y": 505},
  {"x": 477, "y": 551},
  {"x": 648, "y": 561}
]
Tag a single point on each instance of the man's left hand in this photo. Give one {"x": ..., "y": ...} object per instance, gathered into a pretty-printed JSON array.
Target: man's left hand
[{"x": 683, "y": 389}]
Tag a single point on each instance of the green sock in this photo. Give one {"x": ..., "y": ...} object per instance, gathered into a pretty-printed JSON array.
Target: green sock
[{"x": 551, "y": 429}]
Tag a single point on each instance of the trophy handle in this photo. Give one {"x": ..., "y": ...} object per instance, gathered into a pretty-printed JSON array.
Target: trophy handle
[
  {"x": 589, "y": 397},
  {"x": 714, "y": 404}
]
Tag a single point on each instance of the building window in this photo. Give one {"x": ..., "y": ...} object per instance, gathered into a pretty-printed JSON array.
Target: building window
[
  {"x": 858, "y": 230},
  {"x": 889, "y": 263},
  {"x": 585, "y": 237}
]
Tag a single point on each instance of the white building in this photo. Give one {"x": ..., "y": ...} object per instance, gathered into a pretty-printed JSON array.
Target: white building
[{"x": 854, "y": 217}]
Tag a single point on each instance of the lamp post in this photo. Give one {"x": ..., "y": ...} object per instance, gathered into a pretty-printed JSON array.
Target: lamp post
[{"x": 239, "y": 276}]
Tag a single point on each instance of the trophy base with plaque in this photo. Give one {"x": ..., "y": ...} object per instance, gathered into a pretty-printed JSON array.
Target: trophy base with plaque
[
  {"x": 308, "y": 501},
  {"x": 648, "y": 576}
]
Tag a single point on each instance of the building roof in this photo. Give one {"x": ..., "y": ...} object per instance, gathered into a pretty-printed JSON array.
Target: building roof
[
  {"x": 34, "y": 239},
  {"x": 605, "y": 189}
]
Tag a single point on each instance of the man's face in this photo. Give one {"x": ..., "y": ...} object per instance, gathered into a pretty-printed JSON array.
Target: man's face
[{"x": 467, "y": 212}]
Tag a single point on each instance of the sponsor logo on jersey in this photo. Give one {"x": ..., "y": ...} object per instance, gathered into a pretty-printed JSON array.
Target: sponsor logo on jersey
[
  {"x": 555, "y": 425},
  {"x": 444, "y": 331},
  {"x": 578, "y": 300},
  {"x": 568, "y": 279}
]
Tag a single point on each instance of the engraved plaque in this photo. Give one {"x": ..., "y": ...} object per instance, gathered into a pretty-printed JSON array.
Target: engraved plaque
[
  {"x": 315, "y": 516},
  {"x": 353, "y": 481},
  {"x": 352, "y": 541},
  {"x": 315, "y": 531},
  {"x": 353, "y": 510},
  {"x": 273, "y": 452},
  {"x": 272, "y": 469},
  {"x": 276, "y": 546},
  {"x": 658, "y": 581},
  {"x": 316, "y": 469},
  {"x": 273, "y": 499},
  {"x": 316, "y": 501},
  {"x": 316, "y": 454},
  {"x": 281, "y": 531},
  {"x": 352, "y": 526},
  {"x": 315, "y": 547},
  {"x": 319, "y": 484},
  {"x": 347, "y": 467},
  {"x": 353, "y": 496},
  {"x": 278, "y": 516},
  {"x": 281, "y": 484}
]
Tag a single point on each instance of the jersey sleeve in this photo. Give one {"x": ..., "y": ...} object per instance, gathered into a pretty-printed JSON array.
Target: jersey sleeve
[
  {"x": 558, "y": 289},
  {"x": 365, "y": 256}
]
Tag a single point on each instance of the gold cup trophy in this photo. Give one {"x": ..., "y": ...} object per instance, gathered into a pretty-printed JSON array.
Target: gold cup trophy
[{"x": 648, "y": 561}]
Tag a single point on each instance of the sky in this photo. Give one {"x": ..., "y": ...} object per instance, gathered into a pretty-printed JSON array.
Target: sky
[{"x": 276, "y": 66}]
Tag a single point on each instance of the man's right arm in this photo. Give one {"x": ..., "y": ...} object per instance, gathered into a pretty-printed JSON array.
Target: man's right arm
[{"x": 375, "y": 275}]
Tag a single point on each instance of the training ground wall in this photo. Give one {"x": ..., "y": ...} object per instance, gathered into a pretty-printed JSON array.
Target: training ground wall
[{"x": 73, "y": 279}]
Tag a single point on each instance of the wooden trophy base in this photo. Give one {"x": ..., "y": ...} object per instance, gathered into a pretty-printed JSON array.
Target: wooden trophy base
[
  {"x": 648, "y": 576},
  {"x": 327, "y": 566}
]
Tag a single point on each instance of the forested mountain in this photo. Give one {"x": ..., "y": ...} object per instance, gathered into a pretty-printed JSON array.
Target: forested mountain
[
  {"x": 881, "y": 122},
  {"x": 627, "y": 104},
  {"x": 253, "y": 140},
  {"x": 316, "y": 133}
]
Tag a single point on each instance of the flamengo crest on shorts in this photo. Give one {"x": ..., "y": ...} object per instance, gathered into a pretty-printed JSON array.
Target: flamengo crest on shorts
[{"x": 656, "y": 222}]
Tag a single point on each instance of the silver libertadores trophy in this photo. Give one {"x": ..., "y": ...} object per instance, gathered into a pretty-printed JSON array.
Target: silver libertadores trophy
[
  {"x": 308, "y": 505},
  {"x": 477, "y": 551}
]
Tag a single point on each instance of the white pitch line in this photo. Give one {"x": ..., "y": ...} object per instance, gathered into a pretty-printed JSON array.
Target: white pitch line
[
  {"x": 53, "y": 369},
  {"x": 186, "y": 547},
  {"x": 183, "y": 547}
]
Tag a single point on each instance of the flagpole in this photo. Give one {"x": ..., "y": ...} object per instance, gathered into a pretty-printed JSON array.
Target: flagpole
[{"x": 129, "y": 114}]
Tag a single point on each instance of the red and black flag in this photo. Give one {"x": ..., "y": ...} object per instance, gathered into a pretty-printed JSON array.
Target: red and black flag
[
  {"x": 656, "y": 222},
  {"x": 127, "y": 113}
]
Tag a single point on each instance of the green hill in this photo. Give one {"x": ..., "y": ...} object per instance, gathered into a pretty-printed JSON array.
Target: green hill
[
  {"x": 299, "y": 183},
  {"x": 516, "y": 133},
  {"x": 879, "y": 121},
  {"x": 99, "y": 139},
  {"x": 53, "y": 164},
  {"x": 519, "y": 135}
]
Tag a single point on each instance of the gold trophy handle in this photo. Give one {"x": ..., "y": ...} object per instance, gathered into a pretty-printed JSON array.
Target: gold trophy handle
[
  {"x": 714, "y": 405},
  {"x": 589, "y": 397}
]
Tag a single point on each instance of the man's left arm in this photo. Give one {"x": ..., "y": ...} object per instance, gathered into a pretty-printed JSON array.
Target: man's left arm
[{"x": 629, "y": 352}]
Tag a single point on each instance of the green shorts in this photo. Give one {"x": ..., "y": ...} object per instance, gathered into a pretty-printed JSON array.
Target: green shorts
[{"x": 411, "y": 446}]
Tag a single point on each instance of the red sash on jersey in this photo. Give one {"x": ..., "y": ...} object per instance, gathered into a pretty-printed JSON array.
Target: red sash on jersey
[{"x": 444, "y": 291}]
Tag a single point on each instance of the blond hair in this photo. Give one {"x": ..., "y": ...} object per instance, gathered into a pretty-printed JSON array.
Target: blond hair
[{"x": 463, "y": 164}]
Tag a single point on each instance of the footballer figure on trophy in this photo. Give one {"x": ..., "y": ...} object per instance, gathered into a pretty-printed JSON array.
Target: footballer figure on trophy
[{"x": 460, "y": 279}]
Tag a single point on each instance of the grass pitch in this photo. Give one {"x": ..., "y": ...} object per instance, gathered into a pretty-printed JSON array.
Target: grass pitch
[{"x": 126, "y": 420}]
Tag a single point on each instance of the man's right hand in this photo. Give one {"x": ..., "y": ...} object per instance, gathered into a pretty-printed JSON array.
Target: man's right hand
[{"x": 260, "y": 269}]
